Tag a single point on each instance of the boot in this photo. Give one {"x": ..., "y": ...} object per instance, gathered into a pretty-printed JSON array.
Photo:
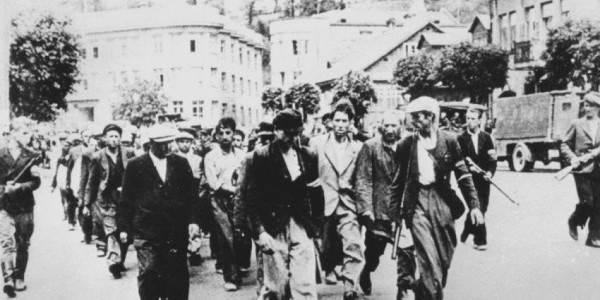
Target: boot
[{"x": 365, "y": 282}]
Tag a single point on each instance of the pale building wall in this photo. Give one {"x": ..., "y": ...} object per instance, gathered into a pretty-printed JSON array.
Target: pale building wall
[
  {"x": 198, "y": 67},
  {"x": 4, "y": 67}
]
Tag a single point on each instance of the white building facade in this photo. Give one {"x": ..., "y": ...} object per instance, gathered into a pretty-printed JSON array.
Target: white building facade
[
  {"x": 207, "y": 65},
  {"x": 521, "y": 27}
]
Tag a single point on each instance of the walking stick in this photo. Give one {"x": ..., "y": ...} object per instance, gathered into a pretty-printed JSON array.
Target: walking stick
[{"x": 396, "y": 241}]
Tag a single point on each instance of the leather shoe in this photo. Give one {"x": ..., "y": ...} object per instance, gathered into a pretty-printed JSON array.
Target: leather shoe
[
  {"x": 115, "y": 270},
  {"x": 365, "y": 282},
  {"x": 573, "y": 229},
  {"x": 352, "y": 295},
  {"x": 593, "y": 244},
  {"x": 9, "y": 290},
  {"x": 464, "y": 236}
]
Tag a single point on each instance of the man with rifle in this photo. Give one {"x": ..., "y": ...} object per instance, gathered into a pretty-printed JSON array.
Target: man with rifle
[
  {"x": 478, "y": 148},
  {"x": 19, "y": 177}
]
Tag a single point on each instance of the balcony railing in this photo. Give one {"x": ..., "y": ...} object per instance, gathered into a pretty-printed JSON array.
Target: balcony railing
[{"x": 522, "y": 52}]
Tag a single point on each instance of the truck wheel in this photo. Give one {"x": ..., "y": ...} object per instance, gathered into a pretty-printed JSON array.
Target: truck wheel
[{"x": 519, "y": 160}]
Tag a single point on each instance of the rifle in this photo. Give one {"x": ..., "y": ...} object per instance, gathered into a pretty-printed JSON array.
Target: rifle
[
  {"x": 560, "y": 175},
  {"x": 396, "y": 240},
  {"x": 21, "y": 173},
  {"x": 488, "y": 179}
]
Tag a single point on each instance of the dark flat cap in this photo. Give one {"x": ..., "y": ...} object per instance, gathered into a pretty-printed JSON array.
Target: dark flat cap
[
  {"x": 111, "y": 127},
  {"x": 288, "y": 119},
  {"x": 265, "y": 128}
]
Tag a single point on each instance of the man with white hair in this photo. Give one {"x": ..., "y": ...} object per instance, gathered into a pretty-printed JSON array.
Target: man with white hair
[
  {"x": 423, "y": 198},
  {"x": 376, "y": 165}
]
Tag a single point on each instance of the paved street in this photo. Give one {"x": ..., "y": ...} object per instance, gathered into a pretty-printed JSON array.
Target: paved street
[{"x": 530, "y": 254}]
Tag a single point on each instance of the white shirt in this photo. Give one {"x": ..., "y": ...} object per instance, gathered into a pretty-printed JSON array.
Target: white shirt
[
  {"x": 194, "y": 161},
  {"x": 161, "y": 166},
  {"x": 291, "y": 161},
  {"x": 426, "y": 165},
  {"x": 112, "y": 155}
]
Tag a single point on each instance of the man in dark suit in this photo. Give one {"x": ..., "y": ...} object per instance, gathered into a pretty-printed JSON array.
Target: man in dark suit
[
  {"x": 581, "y": 148},
  {"x": 280, "y": 211},
  {"x": 376, "y": 166},
  {"x": 102, "y": 194},
  {"x": 479, "y": 147},
  {"x": 159, "y": 209},
  {"x": 16, "y": 204}
]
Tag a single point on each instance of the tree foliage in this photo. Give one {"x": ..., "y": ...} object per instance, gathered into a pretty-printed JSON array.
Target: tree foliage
[
  {"x": 416, "y": 73},
  {"x": 44, "y": 60},
  {"x": 272, "y": 99},
  {"x": 140, "y": 103},
  {"x": 305, "y": 97},
  {"x": 358, "y": 89},
  {"x": 475, "y": 69},
  {"x": 573, "y": 54}
]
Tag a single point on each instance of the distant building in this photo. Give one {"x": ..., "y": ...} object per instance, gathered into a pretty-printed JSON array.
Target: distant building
[
  {"x": 480, "y": 30},
  {"x": 207, "y": 65},
  {"x": 521, "y": 27},
  {"x": 436, "y": 41}
]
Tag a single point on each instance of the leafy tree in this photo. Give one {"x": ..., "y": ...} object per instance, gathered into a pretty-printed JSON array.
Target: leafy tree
[
  {"x": 572, "y": 54},
  {"x": 272, "y": 99},
  {"x": 140, "y": 103},
  {"x": 295, "y": 8},
  {"x": 358, "y": 89},
  {"x": 417, "y": 74},
  {"x": 305, "y": 97},
  {"x": 44, "y": 60},
  {"x": 475, "y": 69}
]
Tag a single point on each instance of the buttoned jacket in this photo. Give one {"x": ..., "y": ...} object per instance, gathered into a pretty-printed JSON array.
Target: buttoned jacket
[{"x": 579, "y": 140}]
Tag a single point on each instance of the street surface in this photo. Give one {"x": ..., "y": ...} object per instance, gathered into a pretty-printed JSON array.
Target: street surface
[{"x": 530, "y": 255}]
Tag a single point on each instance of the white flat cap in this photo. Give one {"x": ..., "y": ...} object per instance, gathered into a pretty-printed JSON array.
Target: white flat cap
[
  {"x": 423, "y": 103},
  {"x": 182, "y": 135},
  {"x": 161, "y": 134}
]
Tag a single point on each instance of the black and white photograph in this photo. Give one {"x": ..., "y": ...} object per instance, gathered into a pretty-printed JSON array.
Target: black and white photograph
[{"x": 300, "y": 149}]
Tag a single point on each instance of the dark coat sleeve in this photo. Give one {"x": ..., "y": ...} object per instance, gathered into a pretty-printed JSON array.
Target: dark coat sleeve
[
  {"x": 126, "y": 204},
  {"x": 93, "y": 184},
  {"x": 364, "y": 182},
  {"x": 191, "y": 191},
  {"x": 490, "y": 154},
  {"x": 240, "y": 219},
  {"x": 254, "y": 192},
  {"x": 567, "y": 145},
  {"x": 83, "y": 178},
  {"x": 463, "y": 176},
  {"x": 400, "y": 177}
]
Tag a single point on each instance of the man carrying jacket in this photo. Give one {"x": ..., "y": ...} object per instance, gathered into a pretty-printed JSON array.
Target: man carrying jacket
[{"x": 281, "y": 213}]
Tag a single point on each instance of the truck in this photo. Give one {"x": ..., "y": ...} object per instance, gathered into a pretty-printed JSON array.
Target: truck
[{"x": 529, "y": 128}]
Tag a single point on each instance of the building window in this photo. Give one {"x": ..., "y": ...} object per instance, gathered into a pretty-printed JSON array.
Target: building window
[
  {"x": 161, "y": 77},
  {"x": 177, "y": 107},
  {"x": 297, "y": 74},
  {"x": 223, "y": 109},
  {"x": 282, "y": 74},
  {"x": 243, "y": 116},
  {"x": 213, "y": 77},
  {"x": 232, "y": 52},
  {"x": 198, "y": 109},
  {"x": 412, "y": 49},
  {"x": 306, "y": 47},
  {"x": 248, "y": 58},
  {"x": 158, "y": 46},
  {"x": 295, "y": 47},
  {"x": 256, "y": 61},
  {"x": 233, "y": 111},
  {"x": 223, "y": 46},
  {"x": 249, "y": 87},
  {"x": 224, "y": 81},
  {"x": 547, "y": 14},
  {"x": 83, "y": 53},
  {"x": 233, "y": 83},
  {"x": 513, "y": 28},
  {"x": 192, "y": 45},
  {"x": 241, "y": 85},
  {"x": 528, "y": 29},
  {"x": 241, "y": 54},
  {"x": 85, "y": 84},
  {"x": 95, "y": 52},
  {"x": 214, "y": 106},
  {"x": 256, "y": 88},
  {"x": 406, "y": 49}
]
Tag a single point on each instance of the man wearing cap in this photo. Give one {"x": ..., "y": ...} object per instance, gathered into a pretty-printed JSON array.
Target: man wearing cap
[
  {"x": 280, "y": 211},
  {"x": 184, "y": 149},
  {"x": 423, "y": 198},
  {"x": 238, "y": 139},
  {"x": 581, "y": 148},
  {"x": 60, "y": 180},
  {"x": 220, "y": 168},
  {"x": 376, "y": 165},
  {"x": 159, "y": 210},
  {"x": 337, "y": 154},
  {"x": 102, "y": 194},
  {"x": 16, "y": 204},
  {"x": 478, "y": 146}
]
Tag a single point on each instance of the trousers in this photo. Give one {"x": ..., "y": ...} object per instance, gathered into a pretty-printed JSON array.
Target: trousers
[
  {"x": 163, "y": 271},
  {"x": 345, "y": 221},
  {"x": 225, "y": 238},
  {"x": 15, "y": 235},
  {"x": 289, "y": 272}
]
